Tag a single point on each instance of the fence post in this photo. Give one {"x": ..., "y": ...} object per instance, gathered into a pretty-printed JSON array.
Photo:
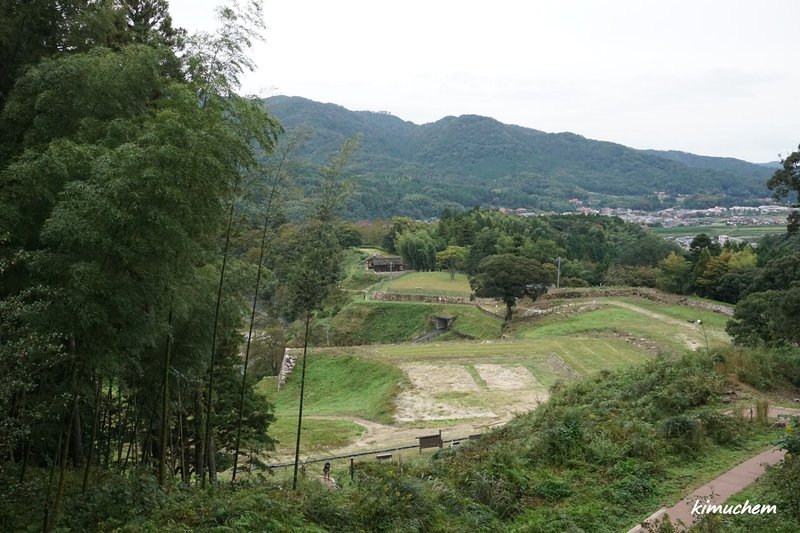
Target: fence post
[{"x": 352, "y": 469}]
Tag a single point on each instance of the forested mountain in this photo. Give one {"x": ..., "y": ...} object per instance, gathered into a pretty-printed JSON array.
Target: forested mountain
[
  {"x": 418, "y": 170},
  {"x": 722, "y": 164}
]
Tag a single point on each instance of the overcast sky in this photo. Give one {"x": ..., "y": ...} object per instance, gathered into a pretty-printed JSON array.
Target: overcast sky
[{"x": 704, "y": 76}]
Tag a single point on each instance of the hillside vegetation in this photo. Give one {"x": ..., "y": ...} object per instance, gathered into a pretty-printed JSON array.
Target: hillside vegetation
[
  {"x": 467, "y": 384},
  {"x": 371, "y": 322},
  {"x": 417, "y": 170},
  {"x": 599, "y": 456}
]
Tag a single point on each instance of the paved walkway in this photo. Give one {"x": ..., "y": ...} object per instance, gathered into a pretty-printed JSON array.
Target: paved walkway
[
  {"x": 722, "y": 487},
  {"x": 726, "y": 485}
]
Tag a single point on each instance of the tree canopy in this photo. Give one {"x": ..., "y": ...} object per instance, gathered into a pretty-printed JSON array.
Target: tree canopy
[
  {"x": 510, "y": 277},
  {"x": 452, "y": 259},
  {"x": 786, "y": 183},
  {"x": 122, "y": 154}
]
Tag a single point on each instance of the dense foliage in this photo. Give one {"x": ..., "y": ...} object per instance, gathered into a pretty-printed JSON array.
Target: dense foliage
[
  {"x": 123, "y": 154},
  {"x": 591, "y": 250}
]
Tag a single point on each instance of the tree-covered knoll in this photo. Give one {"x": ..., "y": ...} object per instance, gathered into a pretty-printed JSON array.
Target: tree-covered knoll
[{"x": 593, "y": 250}]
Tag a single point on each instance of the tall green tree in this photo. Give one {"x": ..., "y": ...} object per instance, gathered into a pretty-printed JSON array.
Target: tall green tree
[
  {"x": 116, "y": 178},
  {"x": 418, "y": 250},
  {"x": 786, "y": 182},
  {"x": 452, "y": 259},
  {"x": 509, "y": 277},
  {"x": 317, "y": 265}
]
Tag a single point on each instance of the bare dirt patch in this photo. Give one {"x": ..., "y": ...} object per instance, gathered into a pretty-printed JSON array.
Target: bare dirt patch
[
  {"x": 441, "y": 378},
  {"x": 506, "y": 377},
  {"x": 423, "y": 401},
  {"x": 449, "y": 392}
]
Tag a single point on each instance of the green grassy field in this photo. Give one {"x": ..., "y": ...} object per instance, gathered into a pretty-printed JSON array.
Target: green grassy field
[
  {"x": 339, "y": 384},
  {"x": 429, "y": 283},
  {"x": 712, "y": 320},
  {"x": 746, "y": 232},
  {"x": 317, "y": 435},
  {"x": 377, "y": 377},
  {"x": 622, "y": 321},
  {"x": 584, "y": 354},
  {"x": 668, "y": 327}
]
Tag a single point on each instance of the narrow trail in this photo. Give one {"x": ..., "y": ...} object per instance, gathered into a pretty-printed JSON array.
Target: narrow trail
[
  {"x": 379, "y": 435},
  {"x": 725, "y": 485},
  {"x": 693, "y": 337},
  {"x": 387, "y": 435}
]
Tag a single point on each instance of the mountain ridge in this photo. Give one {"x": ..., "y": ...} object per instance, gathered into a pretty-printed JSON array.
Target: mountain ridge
[{"x": 461, "y": 161}]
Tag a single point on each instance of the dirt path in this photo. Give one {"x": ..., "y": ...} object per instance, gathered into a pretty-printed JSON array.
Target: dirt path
[
  {"x": 689, "y": 327},
  {"x": 725, "y": 485},
  {"x": 379, "y": 435}
]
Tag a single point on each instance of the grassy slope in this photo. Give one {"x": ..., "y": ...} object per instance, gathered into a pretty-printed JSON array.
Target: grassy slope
[
  {"x": 339, "y": 385},
  {"x": 667, "y": 336},
  {"x": 356, "y": 277},
  {"x": 368, "y": 322},
  {"x": 335, "y": 385},
  {"x": 599, "y": 456}
]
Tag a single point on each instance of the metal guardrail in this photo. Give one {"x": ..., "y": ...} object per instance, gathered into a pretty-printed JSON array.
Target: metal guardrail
[{"x": 371, "y": 452}]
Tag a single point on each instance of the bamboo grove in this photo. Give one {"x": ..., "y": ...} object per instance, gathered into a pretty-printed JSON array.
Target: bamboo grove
[{"x": 131, "y": 177}]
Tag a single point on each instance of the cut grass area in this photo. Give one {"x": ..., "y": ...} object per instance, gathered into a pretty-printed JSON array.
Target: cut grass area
[
  {"x": 369, "y": 322},
  {"x": 668, "y": 336},
  {"x": 430, "y": 283},
  {"x": 340, "y": 385},
  {"x": 711, "y": 320},
  {"x": 583, "y": 354},
  {"x": 587, "y": 356},
  {"x": 500, "y": 348},
  {"x": 316, "y": 435}
]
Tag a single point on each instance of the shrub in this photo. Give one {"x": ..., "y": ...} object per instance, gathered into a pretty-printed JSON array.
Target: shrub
[
  {"x": 721, "y": 429},
  {"x": 632, "y": 480},
  {"x": 552, "y": 488},
  {"x": 116, "y": 502},
  {"x": 564, "y": 437},
  {"x": 685, "y": 434}
]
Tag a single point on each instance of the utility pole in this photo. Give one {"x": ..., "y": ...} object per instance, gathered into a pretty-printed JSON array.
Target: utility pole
[{"x": 558, "y": 275}]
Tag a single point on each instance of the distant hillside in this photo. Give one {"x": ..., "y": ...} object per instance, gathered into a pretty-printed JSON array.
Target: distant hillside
[
  {"x": 458, "y": 162},
  {"x": 723, "y": 164}
]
